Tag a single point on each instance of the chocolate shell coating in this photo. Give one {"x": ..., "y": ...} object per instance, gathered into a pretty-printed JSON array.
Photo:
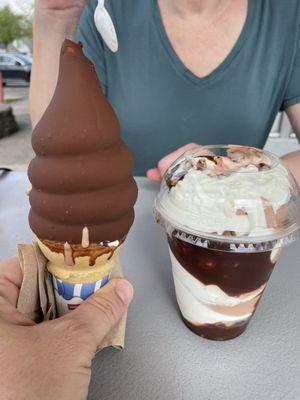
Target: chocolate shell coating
[{"x": 82, "y": 173}]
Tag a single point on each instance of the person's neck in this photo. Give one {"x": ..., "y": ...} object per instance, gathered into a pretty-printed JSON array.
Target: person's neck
[{"x": 203, "y": 8}]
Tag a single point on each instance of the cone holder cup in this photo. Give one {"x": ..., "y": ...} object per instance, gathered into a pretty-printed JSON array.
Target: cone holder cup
[{"x": 74, "y": 284}]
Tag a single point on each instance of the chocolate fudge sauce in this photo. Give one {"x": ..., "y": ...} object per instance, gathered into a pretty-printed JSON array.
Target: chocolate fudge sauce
[
  {"x": 234, "y": 273},
  {"x": 217, "y": 331}
]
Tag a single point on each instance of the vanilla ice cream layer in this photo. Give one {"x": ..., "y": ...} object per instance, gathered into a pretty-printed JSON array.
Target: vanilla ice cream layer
[
  {"x": 213, "y": 204},
  {"x": 208, "y": 304}
]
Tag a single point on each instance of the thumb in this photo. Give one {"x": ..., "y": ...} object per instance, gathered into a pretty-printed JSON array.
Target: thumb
[{"x": 102, "y": 311}]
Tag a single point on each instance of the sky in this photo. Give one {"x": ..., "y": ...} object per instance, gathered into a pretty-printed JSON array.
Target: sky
[{"x": 14, "y": 3}]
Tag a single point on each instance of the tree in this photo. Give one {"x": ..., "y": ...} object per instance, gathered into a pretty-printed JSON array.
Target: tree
[
  {"x": 12, "y": 26},
  {"x": 27, "y": 29},
  {"x": 26, "y": 8}
]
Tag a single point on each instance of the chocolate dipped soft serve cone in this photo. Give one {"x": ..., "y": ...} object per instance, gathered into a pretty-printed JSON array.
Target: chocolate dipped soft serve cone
[{"x": 83, "y": 191}]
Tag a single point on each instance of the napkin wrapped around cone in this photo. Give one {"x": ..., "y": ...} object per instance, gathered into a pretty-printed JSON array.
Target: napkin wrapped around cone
[{"x": 37, "y": 300}]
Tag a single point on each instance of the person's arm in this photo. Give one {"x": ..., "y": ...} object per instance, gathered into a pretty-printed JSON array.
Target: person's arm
[
  {"x": 291, "y": 105},
  {"x": 292, "y": 160},
  {"x": 54, "y": 20}
]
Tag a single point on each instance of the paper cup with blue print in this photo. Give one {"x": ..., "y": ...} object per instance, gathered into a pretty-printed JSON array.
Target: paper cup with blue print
[
  {"x": 70, "y": 295},
  {"x": 89, "y": 270}
]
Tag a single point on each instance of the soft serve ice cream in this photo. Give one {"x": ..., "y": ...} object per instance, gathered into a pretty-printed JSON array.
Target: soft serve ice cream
[
  {"x": 227, "y": 211},
  {"x": 83, "y": 192},
  {"x": 82, "y": 184}
]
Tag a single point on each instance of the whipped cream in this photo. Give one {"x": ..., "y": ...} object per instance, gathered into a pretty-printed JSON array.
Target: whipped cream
[{"x": 234, "y": 202}]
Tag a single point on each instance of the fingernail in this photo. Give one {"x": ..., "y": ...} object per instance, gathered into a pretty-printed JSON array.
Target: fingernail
[
  {"x": 150, "y": 172},
  {"x": 124, "y": 290}
]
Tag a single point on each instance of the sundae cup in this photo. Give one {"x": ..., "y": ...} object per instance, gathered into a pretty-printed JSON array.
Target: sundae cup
[
  {"x": 228, "y": 211},
  {"x": 83, "y": 191}
]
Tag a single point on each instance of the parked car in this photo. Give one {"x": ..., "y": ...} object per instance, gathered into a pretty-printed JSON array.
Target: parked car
[{"x": 15, "y": 66}]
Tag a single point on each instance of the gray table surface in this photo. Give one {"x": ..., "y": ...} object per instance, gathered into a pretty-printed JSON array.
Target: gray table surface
[{"x": 163, "y": 359}]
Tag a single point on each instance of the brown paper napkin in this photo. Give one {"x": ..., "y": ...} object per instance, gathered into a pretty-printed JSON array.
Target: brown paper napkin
[{"x": 36, "y": 298}]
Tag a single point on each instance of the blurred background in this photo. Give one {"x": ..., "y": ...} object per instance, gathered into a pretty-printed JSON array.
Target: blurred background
[{"x": 15, "y": 67}]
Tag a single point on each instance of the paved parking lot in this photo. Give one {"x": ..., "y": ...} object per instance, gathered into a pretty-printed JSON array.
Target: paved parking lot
[
  {"x": 16, "y": 90},
  {"x": 15, "y": 150}
]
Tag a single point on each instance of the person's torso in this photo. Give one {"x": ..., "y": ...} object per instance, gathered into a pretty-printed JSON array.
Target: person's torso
[{"x": 162, "y": 105}]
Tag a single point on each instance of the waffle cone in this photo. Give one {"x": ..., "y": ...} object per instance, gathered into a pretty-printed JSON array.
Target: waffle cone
[{"x": 91, "y": 264}]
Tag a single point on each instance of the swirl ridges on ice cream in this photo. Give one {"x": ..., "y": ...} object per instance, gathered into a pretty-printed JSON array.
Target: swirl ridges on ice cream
[{"x": 82, "y": 173}]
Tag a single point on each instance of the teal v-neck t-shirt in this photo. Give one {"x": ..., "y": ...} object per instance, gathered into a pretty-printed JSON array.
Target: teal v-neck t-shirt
[{"x": 161, "y": 105}]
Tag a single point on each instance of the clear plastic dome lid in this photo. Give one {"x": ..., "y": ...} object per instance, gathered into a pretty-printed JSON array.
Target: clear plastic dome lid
[{"x": 235, "y": 195}]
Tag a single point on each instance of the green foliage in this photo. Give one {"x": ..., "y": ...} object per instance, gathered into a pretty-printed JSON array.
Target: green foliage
[
  {"x": 27, "y": 29},
  {"x": 13, "y": 26}
]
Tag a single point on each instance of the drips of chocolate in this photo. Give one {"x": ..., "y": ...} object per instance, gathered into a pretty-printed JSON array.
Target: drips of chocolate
[
  {"x": 73, "y": 251},
  {"x": 235, "y": 273},
  {"x": 82, "y": 173}
]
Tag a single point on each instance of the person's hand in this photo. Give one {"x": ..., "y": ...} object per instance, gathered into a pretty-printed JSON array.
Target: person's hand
[
  {"x": 156, "y": 174},
  {"x": 52, "y": 360}
]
